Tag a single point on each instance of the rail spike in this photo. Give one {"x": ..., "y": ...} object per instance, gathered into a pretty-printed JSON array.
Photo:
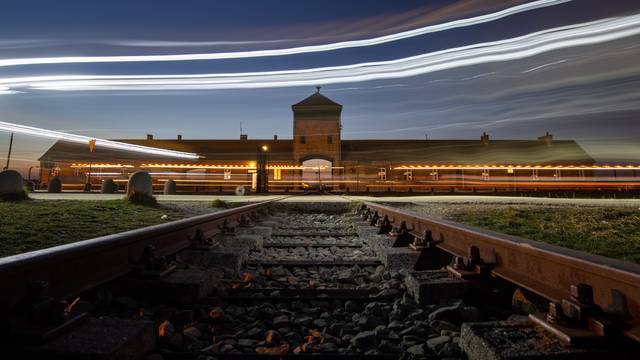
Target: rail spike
[
  {"x": 200, "y": 242},
  {"x": 470, "y": 267},
  {"x": 373, "y": 219},
  {"x": 384, "y": 225},
  {"x": 402, "y": 235},
  {"x": 578, "y": 320},
  {"x": 364, "y": 215},
  {"x": 226, "y": 228},
  {"x": 244, "y": 221},
  {"x": 426, "y": 241},
  {"x": 151, "y": 265}
]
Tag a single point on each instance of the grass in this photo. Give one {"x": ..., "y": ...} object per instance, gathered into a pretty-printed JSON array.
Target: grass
[
  {"x": 221, "y": 204},
  {"x": 38, "y": 224},
  {"x": 611, "y": 232}
]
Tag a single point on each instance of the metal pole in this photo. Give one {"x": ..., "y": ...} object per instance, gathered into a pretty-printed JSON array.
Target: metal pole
[{"x": 9, "y": 154}]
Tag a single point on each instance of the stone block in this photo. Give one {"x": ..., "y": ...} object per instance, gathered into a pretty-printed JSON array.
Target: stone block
[
  {"x": 399, "y": 258},
  {"x": 108, "y": 186},
  {"x": 55, "y": 185},
  {"x": 10, "y": 182},
  {"x": 140, "y": 182},
  {"x": 378, "y": 243},
  {"x": 263, "y": 231},
  {"x": 169, "y": 187},
  {"x": 180, "y": 286},
  {"x": 435, "y": 286},
  {"x": 365, "y": 231},
  {"x": 102, "y": 339},
  {"x": 270, "y": 224},
  {"x": 242, "y": 241},
  {"x": 220, "y": 257},
  {"x": 520, "y": 339}
]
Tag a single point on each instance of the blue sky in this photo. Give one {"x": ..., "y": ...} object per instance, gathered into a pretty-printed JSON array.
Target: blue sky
[{"x": 589, "y": 93}]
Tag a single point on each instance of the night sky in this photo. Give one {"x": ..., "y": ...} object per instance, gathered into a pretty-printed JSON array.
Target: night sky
[{"x": 588, "y": 92}]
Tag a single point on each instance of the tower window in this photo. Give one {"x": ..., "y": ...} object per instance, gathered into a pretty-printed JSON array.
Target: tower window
[
  {"x": 329, "y": 139},
  {"x": 382, "y": 174},
  {"x": 303, "y": 139}
]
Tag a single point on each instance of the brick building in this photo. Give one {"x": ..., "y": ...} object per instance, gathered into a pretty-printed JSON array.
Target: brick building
[{"x": 317, "y": 155}]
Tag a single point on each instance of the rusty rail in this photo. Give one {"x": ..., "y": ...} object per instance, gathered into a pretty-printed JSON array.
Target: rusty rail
[
  {"x": 73, "y": 268},
  {"x": 545, "y": 269}
]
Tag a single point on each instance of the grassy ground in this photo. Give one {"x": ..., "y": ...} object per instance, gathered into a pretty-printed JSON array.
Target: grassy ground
[
  {"x": 611, "y": 232},
  {"x": 38, "y": 224}
]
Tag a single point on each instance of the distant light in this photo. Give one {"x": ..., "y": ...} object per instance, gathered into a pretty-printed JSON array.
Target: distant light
[
  {"x": 99, "y": 165},
  {"x": 50, "y": 134},
  {"x": 265, "y": 148}
]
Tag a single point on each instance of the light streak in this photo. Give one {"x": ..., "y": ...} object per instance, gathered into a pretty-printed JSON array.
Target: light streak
[
  {"x": 503, "y": 50},
  {"x": 290, "y": 51},
  {"x": 50, "y": 134},
  {"x": 517, "y": 167}
]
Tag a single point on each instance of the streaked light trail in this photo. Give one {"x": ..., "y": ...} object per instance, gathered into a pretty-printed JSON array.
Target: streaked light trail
[
  {"x": 28, "y": 130},
  {"x": 290, "y": 51},
  {"x": 503, "y": 50}
]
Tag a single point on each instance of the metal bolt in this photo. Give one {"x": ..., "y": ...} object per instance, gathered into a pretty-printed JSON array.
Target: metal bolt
[
  {"x": 474, "y": 253},
  {"x": 555, "y": 315},
  {"x": 458, "y": 263},
  {"x": 427, "y": 236}
]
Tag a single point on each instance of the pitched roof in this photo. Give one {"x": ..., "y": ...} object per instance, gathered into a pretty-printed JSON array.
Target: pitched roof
[
  {"x": 316, "y": 100},
  {"x": 211, "y": 150},
  {"x": 462, "y": 152},
  {"x": 466, "y": 152}
]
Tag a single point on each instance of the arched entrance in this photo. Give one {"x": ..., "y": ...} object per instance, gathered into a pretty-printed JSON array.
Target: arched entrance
[{"x": 317, "y": 173}]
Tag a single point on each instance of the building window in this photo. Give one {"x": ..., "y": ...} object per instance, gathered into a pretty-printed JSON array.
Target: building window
[
  {"x": 485, "y": 174},
  {"x": 277, "y": 174},
  {"x": 227, "y": 174},
  {"x": 408, "y": 175},
  {"x": 382, "y": 174},
  {"x": 303, "y": 139},
  {"x": 329, "y": 139}
]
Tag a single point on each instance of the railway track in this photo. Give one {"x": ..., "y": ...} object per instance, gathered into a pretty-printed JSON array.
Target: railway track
[{"x": 275, "y": 280}]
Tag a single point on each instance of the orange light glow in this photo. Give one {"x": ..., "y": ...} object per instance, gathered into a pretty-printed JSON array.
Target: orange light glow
[
  {"x": 162, "y": 328},
  {"x": 98, "y": 165}
]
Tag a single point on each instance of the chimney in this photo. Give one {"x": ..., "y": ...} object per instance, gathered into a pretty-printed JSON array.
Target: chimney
[
  {"x": 244, "y": 136},
  {"x": 149, "y": 137},
  {"x": 275, "y": 137},
  {"x": 485, "y": 138},
  {"x": 547, "y": 138},
  {"x": 179, "y": 137}
]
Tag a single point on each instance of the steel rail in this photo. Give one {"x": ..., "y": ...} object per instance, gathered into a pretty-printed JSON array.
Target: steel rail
[
  {"x": 73, "y": 268},
  {"x": 545, "y": 269}
]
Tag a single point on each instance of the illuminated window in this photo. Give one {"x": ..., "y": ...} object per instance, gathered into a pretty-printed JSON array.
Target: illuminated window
[
  {"x": 382, "y": 174},
  {"x": 329, "y": 139},
  {"x": 303, "y": 139},
  {"x": 227, "y": 174},
  {"x": 277, "y": 174},
  {"x": 408, "y": 175}
]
